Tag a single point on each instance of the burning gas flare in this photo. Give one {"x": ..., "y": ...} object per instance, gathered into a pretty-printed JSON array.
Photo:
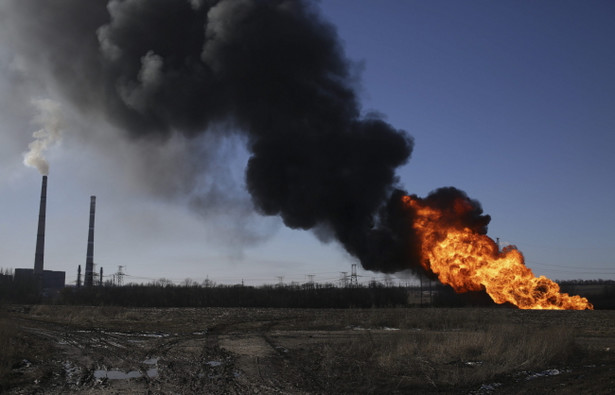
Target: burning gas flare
[{"x": 469, "y": 261}]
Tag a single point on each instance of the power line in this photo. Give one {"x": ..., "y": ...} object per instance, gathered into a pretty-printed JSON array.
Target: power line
[{"x": 579, "y": 269}]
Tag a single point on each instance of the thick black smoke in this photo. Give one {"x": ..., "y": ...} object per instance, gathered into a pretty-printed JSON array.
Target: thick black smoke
[
  {"x": 458, "y": 210},
  {"x": 273, "y": 69}
]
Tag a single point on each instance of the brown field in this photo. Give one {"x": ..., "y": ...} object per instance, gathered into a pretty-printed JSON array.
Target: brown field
[{"x": 67, "y": 349}]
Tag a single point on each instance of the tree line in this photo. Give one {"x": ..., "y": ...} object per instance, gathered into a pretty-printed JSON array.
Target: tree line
[{"x": 163, "y": 293}]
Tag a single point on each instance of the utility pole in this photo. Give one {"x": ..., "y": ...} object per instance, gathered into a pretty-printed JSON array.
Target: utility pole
[{"x": 79, "y": 276}]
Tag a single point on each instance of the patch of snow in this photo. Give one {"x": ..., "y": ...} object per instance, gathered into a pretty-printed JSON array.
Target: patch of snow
[
  {"x": 116, "y": 374},
  {"x": 488, "y": 388},
  {"x": 544, "y": 373},
  {"x": 70, "y": 370},
  {"x": 154, "y": 334},
  {"x": 115, "y": 333},
  {"x": 213, "y": 364}
]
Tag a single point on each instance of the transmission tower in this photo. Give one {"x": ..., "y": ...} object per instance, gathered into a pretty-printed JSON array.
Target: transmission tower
[
  {"x": 344, "y": 279},
  {"x": 310, "y": 282},
  {"x": 353, "y": 276},
  {"x": 119, "y": 276}
]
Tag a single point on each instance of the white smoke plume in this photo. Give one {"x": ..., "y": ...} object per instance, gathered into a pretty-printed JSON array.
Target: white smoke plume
[{"x": 49, "y": 117}]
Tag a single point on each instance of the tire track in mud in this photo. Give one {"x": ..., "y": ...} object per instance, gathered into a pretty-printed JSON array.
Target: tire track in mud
[
  {"x": 87, "y": 358},
  {"x": 264, "y": 365},
  {"x": 232, "y": 355},
  {"x": 112, "y": 360},
  {"x": 192, "y": 363},
  {"x": 97, "y": 359}
]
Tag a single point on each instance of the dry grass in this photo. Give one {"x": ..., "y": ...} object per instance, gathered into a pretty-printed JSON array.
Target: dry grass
[
  {"x": 10, "y": 346},
  {"x": 447, "y": 319},
  {"x": 424, "y": 319},
  {"x": 105, "y": 316},
  {"x": 339, "y": 351},
  {"x": 439, "y": 359}
]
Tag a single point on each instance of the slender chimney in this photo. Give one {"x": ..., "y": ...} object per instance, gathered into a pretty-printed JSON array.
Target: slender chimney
[
  {"x": 89, "y": 260},
  {"x": 39, "y": 256},
  {"x": 79, "y": 276}
]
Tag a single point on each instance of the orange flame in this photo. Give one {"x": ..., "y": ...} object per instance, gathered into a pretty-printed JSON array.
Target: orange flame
[{"x": 468, "y": 261}]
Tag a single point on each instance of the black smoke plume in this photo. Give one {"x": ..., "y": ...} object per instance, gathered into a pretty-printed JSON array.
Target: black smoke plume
[{"x": 272, "y": 69}]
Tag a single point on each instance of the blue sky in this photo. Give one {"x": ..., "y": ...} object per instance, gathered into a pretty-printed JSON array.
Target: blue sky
[{"x": 511, "y": 101}]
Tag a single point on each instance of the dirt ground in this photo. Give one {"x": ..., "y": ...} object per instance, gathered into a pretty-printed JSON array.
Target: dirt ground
[{"x": 284, "y": 351}]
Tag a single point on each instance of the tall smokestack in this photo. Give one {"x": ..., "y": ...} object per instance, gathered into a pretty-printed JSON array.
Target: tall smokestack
[
  {"x": 89, "y": 260},
  {"x": 79, "y": 276},
  {"x": 39, "y": 256}
]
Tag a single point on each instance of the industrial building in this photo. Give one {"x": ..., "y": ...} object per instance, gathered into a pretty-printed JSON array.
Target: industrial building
[{"x": 50, "y": 279}]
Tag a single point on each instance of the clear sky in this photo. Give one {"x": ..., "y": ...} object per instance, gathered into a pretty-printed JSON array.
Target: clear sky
[{"x": 510, "y": 101}]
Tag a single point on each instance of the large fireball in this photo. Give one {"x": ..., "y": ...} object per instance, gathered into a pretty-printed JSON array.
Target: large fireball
[{"x": 469, "y": 261}]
